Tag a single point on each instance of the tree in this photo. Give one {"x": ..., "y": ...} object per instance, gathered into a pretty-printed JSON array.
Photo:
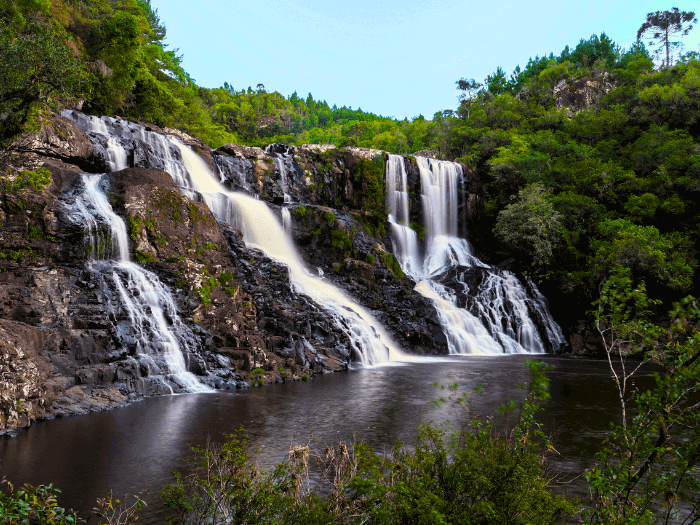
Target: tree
[
  {"x": 643, "y": 249},
  {"x": 665, "y": 25},
  {"x": 531, "y": 224},
  {"x": 497, "y": 83},
  {"x": 470, "y": 88},
  {"x": 647, "y": 470},
  {"x": 36, "y": 65}
]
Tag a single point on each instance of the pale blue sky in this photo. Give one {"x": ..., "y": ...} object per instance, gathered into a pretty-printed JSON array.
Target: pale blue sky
[{"x": 395, "y": 58}]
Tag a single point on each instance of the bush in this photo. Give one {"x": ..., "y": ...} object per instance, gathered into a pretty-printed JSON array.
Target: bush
[
  {"x": 531, "y": 225},
  {"x": 36, "y": 180},
  {"x": 472, "y": 475},
  {"x": 35, "y": 505}
]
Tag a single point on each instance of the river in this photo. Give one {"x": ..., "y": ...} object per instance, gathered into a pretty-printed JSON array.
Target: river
[{"x": 139, "y": 446}]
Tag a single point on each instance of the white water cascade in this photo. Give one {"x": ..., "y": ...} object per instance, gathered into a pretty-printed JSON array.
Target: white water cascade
[
  {"x": 154, "y": 321},
  {"x": 131, "y": 145},
  {"x": 372, "y": 345},
  {"x": 499, "y": 316}
]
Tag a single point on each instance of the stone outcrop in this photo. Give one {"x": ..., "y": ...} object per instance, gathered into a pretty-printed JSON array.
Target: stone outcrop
[
  {"x": 580, "y": 94},
  {"x": 63, "y": 351}
]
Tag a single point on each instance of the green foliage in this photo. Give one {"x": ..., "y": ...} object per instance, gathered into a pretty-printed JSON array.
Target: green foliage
[
  {"x": 392, "y": 264},
  {"x": 618, "y": 178},
  {"x": 144, "y": 257},
  {"x": 645, "y": 250},
  {"x": 647, "y": 469},
  {"x": 372, "y": 193},
  {"x": 211, "y": 246},
  {"x": 304, "y": 377},
  {"x": 134, "y": 223},
  {"x": 16, "y": 255},
  {"x": 35, "y": 233},
  {"x": 329, "y": 217},
  {"x": 341, "y": 241},
  {"x": 208, "y": 285},
  {"x": 37, "y": 70},
  {"x": 37, "y": 180},
  {"x": 300, "y": 211},
  {"x": 35, "y": 505},
  {"x": 531, "y": 224},
  {"x": 257, "y": 371}
]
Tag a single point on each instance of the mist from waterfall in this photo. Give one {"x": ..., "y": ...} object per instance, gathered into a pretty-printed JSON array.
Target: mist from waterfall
[
  {"x": 499, "y": 318},
  {"x": 154, "y": 330}
]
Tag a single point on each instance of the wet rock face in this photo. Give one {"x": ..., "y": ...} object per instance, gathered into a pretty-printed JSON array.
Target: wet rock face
[
  {"x": 300, "y": 337},
  {"x": 240, "y": 310},
  {"x": 54, "y": 319},
  {"x": 337, "y": 243},
  {"x": 61, "y": 139}
]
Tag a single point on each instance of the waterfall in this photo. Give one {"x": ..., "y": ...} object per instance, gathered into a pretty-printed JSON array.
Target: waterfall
[
  {"x": 154, "y": 321},
  {"x": 131, "y": 144},
  {"x": 371, "y": 344},
  {"x": 286, "y": 220},
  {"x": 404, "y": 239},
  {"x": 493, "y": 318}
]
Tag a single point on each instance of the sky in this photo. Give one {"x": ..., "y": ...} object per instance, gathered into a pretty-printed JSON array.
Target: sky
[{"x": 394, "y": 58}]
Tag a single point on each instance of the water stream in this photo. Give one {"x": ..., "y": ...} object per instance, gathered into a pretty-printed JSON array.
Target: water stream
[
  {"x": 497, "y": 314},
  {"x": 141, "y": 306},
  {"x": 371, "y": 344}
]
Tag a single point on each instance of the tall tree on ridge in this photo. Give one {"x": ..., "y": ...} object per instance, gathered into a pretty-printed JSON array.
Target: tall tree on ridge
[
  {"x": 470, "y": 87},
  {"x": 664, "y": 25}
]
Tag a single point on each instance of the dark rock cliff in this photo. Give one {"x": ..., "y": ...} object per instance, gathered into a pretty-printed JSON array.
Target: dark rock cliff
[{"x": 62, "y": 351}]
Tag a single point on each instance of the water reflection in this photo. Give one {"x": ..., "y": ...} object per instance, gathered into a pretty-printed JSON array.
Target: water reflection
[{"x": 140, "y": 446}]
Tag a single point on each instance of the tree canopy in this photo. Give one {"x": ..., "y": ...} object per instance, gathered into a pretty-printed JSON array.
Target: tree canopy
[{"x": 662, "y": 26}]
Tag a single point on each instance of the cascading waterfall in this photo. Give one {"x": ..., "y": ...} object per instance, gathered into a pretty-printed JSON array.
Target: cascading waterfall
[
  {"x": 154, "y": 321},
  {"x": 131, "y": 144},
  {"x": 282, "y": 159},
  {"x": 496, "y": 318},
  {"x": 283, "y": 162},
  {"x": 371, "y": 344},
  {"x": 286, "y": 220},
  {"x": 404, "y": 239}
]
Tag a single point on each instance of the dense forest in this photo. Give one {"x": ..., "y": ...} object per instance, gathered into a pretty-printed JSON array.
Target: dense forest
[
  {"x": 570, "y": 191},
  {"x": 589, "y": 169}
]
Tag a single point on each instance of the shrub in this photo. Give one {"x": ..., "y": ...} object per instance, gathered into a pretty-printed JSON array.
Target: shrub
[
  {"x": 208, "y": 286},
  {"x": 330, "y": 218},
  {"x": 300, "y": 211},
  {"x": 36, "y": 505},
  {"x": 341, "y": 240},
  {"x": 134, "y": 224},
  {"x": 36, "y": 180}
]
